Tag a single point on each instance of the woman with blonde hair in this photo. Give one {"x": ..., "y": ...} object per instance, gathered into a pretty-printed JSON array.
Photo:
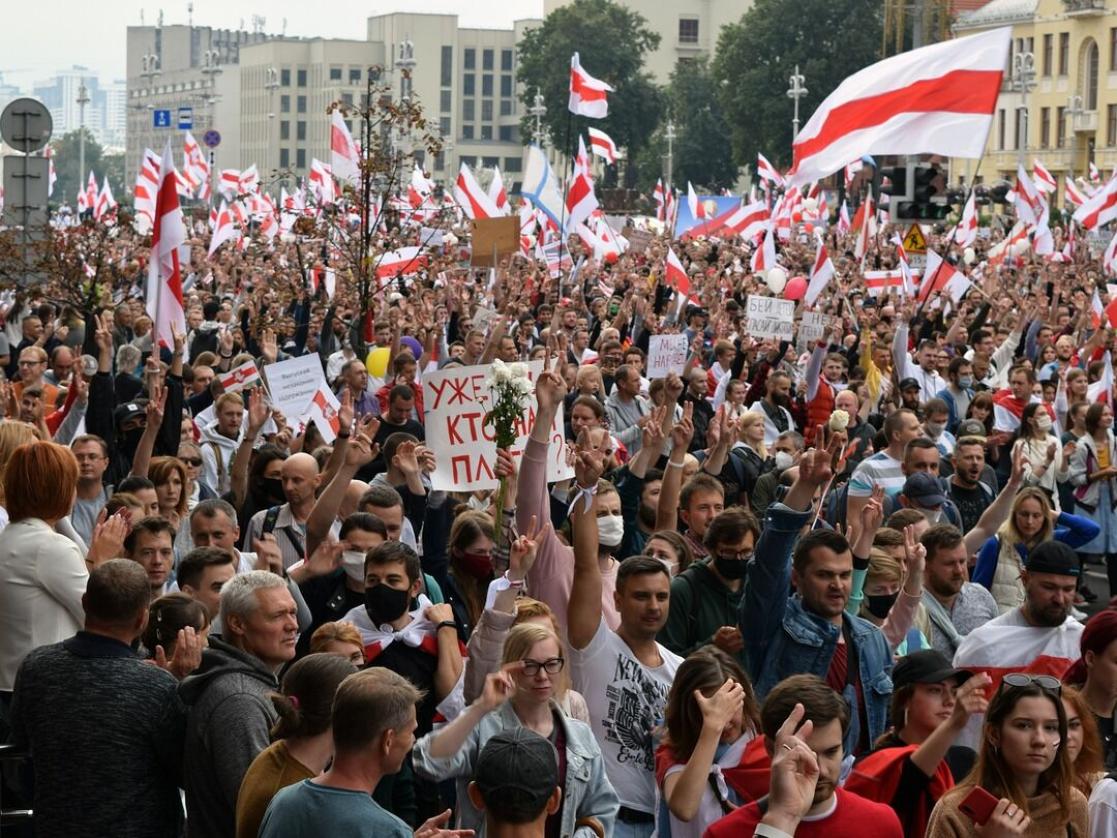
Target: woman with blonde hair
[
  {"x": 522, "y": 693},
  {"x": 748, "y": 459},
  {"x": 1001, "y": 559},
  {"x": 1024, "y": 761},
  {"x": 339, "y": 638}
]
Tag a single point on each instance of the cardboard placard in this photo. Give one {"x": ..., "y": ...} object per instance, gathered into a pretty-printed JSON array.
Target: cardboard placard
[
  {"x": 813, "y": 326},
  {"x": 493, "y": 238},
  {"x": 770, "y": 317},
  {"x": 666, "y": 354}
]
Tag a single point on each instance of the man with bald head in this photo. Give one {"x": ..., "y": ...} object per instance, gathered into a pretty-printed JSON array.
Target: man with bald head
[
  {"x": 859, "y": 433},
  {"x": 287, "y": 523}
]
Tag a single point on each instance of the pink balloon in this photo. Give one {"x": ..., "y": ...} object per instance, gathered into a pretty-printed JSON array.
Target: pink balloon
[{"x": 796, "y": 288}]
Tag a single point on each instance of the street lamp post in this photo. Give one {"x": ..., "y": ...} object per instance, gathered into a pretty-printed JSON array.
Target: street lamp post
[
  {"x": 1023, "y": 81},
  {"x": 82, "y": 100},
  {"x": 1074, "y": 110},
  {"x": 405, "y": 64},
  {"x": 670, "y": 135},
  {"x": 795, "y": 93},
  {"x": 537, "y": 111},
  {"x": 211, "y": 69},
  {"x": 271, "y": 84}
]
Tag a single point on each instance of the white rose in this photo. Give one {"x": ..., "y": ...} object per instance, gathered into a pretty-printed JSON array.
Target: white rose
[
  {"x": 839, "y": 421},
  {"x": 519, "y": 370}
]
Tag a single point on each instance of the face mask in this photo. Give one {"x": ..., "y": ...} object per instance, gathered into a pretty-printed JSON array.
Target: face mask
[
  {"x": 935, "y": 428},
  {"x": 477, "y": 565},
  {"x": 1043, "y": 422},
  {"x": 880, "y": 604},
  {"x": 965, "y": 382},
  {"x": 731, "y": 568},
  {"x": 783, "y": 460},
  {"x": 610, "y": 530},
  {"x": 385, "y": 605},
  {"x": 931, "y": 516},
  {"x": 353, "y": 561}
]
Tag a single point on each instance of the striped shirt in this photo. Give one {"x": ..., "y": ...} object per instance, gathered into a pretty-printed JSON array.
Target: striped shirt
[{"x": 881, "y": 469}]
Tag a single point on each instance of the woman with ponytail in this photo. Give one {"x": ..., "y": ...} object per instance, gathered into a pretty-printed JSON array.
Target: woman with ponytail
[{"x": 302, "y": 742}]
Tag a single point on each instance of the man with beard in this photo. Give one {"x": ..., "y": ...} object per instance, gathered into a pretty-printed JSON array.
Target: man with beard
[
  {"x": 821, "y": 723},
  {"x": 775, "y": 406},
  {"x": 969, "y": 492},
  {"x": 1039, "y": 636},
  {"x": 707, "y": 595},
  {"x": 954, "y": 606}
]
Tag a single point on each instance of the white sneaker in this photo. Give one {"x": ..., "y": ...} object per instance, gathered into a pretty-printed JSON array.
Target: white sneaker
[{"x": 1081, "y": 616}]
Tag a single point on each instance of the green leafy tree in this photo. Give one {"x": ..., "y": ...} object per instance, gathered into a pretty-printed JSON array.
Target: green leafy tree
[
  {"x": 612, "y": 42},
  {"x": 828, "y": 39},
  {"x": 66, "y": 162},
  {"x": 701, "y": 153}
]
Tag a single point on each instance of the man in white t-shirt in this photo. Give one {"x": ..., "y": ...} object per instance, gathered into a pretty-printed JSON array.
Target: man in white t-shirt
[{"x": 624, "y": 675}]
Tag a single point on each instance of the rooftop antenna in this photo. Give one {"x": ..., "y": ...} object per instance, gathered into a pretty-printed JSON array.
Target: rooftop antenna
[
  {"x": 190, "y": 14},
  {"x": 160, "y": 19},
  {"x": 141, "y": 17},
  {"x": 284, "y": 29}
]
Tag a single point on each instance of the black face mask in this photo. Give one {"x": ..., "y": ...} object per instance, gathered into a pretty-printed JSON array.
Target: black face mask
[
  {"x": 272, "y": 488},
  {"x": 731, "y": 568},
  {"x": 880, "y": 604},
  {"x": 384, "y": 604},
  {"x": 130, "y": 440}
]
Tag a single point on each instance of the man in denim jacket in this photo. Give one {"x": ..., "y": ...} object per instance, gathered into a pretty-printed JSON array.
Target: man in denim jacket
[{"x": 810, "y": 632}]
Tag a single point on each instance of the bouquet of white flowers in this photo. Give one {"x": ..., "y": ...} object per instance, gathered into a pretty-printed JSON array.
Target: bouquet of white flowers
[{"x": 510, "y": 391}]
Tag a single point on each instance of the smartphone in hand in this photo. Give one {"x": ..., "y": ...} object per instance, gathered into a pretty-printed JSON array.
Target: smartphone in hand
[{"x": 978, "y": 805}]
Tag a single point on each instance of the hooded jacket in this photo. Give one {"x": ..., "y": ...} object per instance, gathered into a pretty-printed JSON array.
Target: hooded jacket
[
  {"x": 214, "y": 473},
  {"x": 230, "y": 715}
]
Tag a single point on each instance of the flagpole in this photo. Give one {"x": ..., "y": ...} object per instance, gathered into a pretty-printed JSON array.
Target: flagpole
[{"x": 567, "y": 171}]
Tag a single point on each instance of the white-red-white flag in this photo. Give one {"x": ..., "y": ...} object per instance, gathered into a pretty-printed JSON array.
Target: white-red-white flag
[
  {"x": 937, "y": 276},
  {"x": 323, "y": 412},
  {"x": 321, "y": 182},
  {"x": 498, "y": 194},
  {"x": 937, "y": 99},
  {"x": 345, "y": 160},
  {"x": 697, "y": 210},
  {"x": 235, "y": 380},
  {"x": 965, "y": 233},
  {"x": 1095, "y": 175},
  {"x": 588, "y": 96},
  {"x": 52, "y": 175},
  {"x": 164, "y": 277},
  {"x": 880, "y": 282},
  {"x": 868, "y": 229},
  {"x": 473, "y": 200},
  {"x": 748, "y": 221},
  {"x": 1026, "y": 198},
  {"x": 602, "y": 145},
  {"x": 1102, "y": 389},
  {"x": 225, "y": 228},
  {"x": 821, "y": 272},
  {"x": 405, "y": 260},
  {"x": 105, "y": 201},
  {"x": 660, "y": 214},
  {"x": 764, "y": 257},
  {"x": 676, "y": 275},
  {"x": 843, "y": 219},
  {"x": 580, "y": 199},
  {"x": 767, "y": 172},
  {"x": 1074, "y": 196},
  {"x": 1100, "y": 208},
  {"x": 1044, "y": 180}
]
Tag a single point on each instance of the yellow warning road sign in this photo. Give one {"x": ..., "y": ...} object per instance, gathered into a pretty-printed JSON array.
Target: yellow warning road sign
[{"x": 914, "y": 241}]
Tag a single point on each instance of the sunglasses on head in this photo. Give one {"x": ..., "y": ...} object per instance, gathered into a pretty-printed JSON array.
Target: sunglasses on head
[
  {"x": 1024, "y": 679},
  {"x": 192, "y": 461}
]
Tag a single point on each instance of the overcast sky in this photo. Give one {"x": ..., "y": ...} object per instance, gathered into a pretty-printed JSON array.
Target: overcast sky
[{"x": 38, "y": 38}]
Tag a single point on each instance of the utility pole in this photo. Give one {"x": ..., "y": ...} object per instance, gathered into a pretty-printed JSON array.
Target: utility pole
[{"x": 795, "y": 93}]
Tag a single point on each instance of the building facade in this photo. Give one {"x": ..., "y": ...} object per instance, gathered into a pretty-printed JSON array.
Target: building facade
[
  {"x": 1067, "y": 118},
  {"x": 688, "y": 28}
]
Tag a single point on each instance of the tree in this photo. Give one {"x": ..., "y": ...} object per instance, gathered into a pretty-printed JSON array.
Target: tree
[
  {"x": 702, "y": 153},
  {"x": 612, "y": 42},
  {"x": 828, "y": 39},
  {"x": 67, "y": 154}
]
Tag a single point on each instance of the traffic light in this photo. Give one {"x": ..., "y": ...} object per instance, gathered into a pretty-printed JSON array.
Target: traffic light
[
  {"x": 894, "y": 182},
  {"x": 927, "y": 200}
]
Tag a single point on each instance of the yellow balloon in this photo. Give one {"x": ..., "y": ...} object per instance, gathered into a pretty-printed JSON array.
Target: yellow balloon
[{"x": 377, "y": 362}]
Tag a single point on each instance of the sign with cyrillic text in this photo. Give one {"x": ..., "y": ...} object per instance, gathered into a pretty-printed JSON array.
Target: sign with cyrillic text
[{"x": 770, "y": 317}]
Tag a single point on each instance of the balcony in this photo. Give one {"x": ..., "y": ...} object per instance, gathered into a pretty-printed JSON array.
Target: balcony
[
  {"x": 1085, "y": 121},
  {"x": 1084, "y": 8}
]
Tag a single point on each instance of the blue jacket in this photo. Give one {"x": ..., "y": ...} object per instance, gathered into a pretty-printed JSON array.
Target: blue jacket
[
  {"x": 1072, "y": 530},
  {"x": 953, "y": 419},
  {"x": 783, "y": 639}
]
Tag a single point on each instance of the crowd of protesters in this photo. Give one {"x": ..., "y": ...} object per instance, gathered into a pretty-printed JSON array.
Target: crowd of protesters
[{"x": 835, "y": 586}]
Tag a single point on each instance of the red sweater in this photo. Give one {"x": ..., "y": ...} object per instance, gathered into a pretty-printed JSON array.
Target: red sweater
[{"x": 854, "y": 817}]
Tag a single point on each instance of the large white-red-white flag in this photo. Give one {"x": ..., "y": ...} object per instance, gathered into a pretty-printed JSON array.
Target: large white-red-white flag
[
  {"x": 766, "y": 171},
  {"x": 164, "y": 277},
  {"x": 821, "y": 273},
  {"x": 965, "y": 233},
  {"x": 1073, "y": 194},
  {"x": 345, "y": 160},
  {"x": 602, "y": 145},
  {"x": 498, "y": 194},
  {"x": 676, "y": 275},
  {"x": 764, "y": 257},
  {"x": 588, "y": 96},
  {"x": 1044, "y": 180},
  {"x": 405, "y": 260},
  {"x": 937, "y": 99},
  {"x": 473, "y": 200},
  {"x": 1100, "y": 208}
]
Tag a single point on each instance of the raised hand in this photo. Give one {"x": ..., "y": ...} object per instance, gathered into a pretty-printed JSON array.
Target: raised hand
[
  {"x": 915, "y": 554},
  {"x": 268, "y": 555},
  {"x": 258, "y": 410},
  {"x": 499, "y": 686},
  {"x": 187, "y": 655},
  {"x": 589, "y": 459},
  {"x": 225, "y": 341},
  {"x": 723, "y": 707},
  {"x": 435, "y": 828},
  {"x": 550, "y": 389},
  {"x": 345, "y": 411},
  {"x": 406, "y": 459},
  {"x": 683, "y": 431},
  {"x": 794, "y": 770},
  {"x": 521, "y": 552},
  {"x": 326, "y": 557},
  {"x": 156, "y": 406}
]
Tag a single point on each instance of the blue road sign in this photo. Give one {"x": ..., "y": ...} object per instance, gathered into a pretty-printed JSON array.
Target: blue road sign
[
  {"x": 185, "y": 118},
  {"x": 211, "y": 138},
  {"x": 161, "y": 118}
]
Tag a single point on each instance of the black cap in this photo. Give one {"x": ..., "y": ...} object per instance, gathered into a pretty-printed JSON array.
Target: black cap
[
  {"x": 516, "y": 773},
  {"x": 1053, "y": 557},
  {"x": 126, "y": 411},
  {"x": 909, "y": 384},
  {"x": 928, "y": 666}
]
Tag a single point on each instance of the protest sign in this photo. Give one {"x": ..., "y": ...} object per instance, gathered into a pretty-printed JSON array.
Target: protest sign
[
  {"x": 493, "y": 238},
  {"x": 293, "y": 384},
  {"x": 813, "y": 326},
  {"x": 455, "y": 401},
  {"x": 666, "y": 354},
  {"x": 770, "y": 317},
  {"x": 246, "y": 375}
]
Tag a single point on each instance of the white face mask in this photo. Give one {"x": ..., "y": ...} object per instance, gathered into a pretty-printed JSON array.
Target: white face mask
[
  {"x": 353, "y": 561},
  {"x": 1043, "y": 422},
  {"x": 783, "y": 460},
  {"x": 610, "y": 530},
  {"x": 934, "y": 429},
  {"x": 931, "y": 516}
]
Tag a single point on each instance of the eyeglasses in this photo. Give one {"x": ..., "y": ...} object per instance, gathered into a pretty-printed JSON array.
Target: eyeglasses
[
  {"x": 739, "y": 555},
  {"x": 553, "y": 666},
  {"x": 31, "y": 363},
  {"x": 1025, "y": 679},
  {"x": 196, "y": 462}
]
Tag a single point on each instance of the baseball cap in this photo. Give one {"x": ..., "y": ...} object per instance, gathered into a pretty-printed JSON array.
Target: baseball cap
[
  {"x": 909, "y": 384},
  {"x": 924, "y": 489},
  {"x": 516, "y": 773},
  {"x": 1053, "y": 557},
  {"x": 928, "y": 666},
  {"x": 972, "y": 427},
  {"x": 126, "y": 411}
]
